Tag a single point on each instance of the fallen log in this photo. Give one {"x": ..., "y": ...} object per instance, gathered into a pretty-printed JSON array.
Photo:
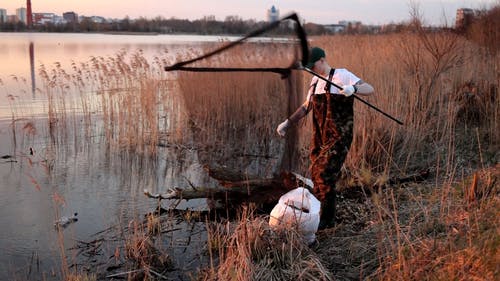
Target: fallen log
[{"x": 236, "y": 188}]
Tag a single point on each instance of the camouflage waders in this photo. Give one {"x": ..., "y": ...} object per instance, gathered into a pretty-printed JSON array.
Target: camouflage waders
[{"x": 332, "y": 137}]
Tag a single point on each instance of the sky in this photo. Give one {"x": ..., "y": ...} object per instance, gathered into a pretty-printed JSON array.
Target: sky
[{"x": 434, "y": 12}]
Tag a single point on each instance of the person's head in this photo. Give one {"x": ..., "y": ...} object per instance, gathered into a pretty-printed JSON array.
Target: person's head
[{"x": 317, "y": 60}]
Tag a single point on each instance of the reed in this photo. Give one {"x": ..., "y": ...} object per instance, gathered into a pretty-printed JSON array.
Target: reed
[
  {"x": 250, "y": 250},
  {"x": 459, "y": 242},
  {"x": 121, "y": 97},
  {"x": 143, "y": 250},
  {"x": 232, "y": 116},
  {"x": 424, "y": 78},
  {"x": 421, "y": 77}
]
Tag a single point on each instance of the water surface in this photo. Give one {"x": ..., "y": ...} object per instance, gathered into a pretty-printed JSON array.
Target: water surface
[
  {"x": 43, "y": 179},
  {"x": 47, "y": 172}
]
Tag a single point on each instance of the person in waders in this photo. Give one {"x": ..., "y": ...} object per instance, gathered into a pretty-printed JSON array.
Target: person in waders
[{"x": 332, "y": 127}]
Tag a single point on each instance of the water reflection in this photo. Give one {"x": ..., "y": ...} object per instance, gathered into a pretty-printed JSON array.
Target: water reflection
[
  {"x": 32, "y": 67},
  {"x": 74, "y": 47},
  {"x": 78, "y": 166},
  {"x": 68, "y": 50},
  {"x": 84, "y": 175}
]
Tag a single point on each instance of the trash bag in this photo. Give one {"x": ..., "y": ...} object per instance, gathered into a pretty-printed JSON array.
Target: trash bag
[{"x": 298, "y": 208}]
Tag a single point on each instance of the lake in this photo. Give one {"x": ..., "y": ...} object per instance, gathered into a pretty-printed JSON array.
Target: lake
[
  {"x": 22, "y": 54},
  {"x": 46, "y": 176}
]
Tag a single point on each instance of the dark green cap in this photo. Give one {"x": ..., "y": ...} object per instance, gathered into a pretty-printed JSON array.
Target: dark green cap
[{"x": 314, "y": 56}]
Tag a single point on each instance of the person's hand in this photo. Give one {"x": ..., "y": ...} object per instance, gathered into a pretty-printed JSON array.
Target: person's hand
[
  {"x": 347, "y": 90},
  {"x": 283, "y": 127}
]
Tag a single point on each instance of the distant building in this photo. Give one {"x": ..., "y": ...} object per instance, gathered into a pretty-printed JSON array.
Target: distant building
[
  {"x": 59, "y": 20},
  {"x": 351, "y": 26},
  {"x": 70, "y": 17},
  {"x": 3, "y": 15},
  {"x": 335, "y": 28},
  {"x": 347, "y": 23},
  {"x": 43, "y": 18},
  {"x": 464, "y": 18},
  {"x": 12, "y": 18},
  {"x": 273, "y": 14},
  {"x": 94, "y": 19},
  {"x": 21, "y": 15},
  {"x": 97, "y": 19}
]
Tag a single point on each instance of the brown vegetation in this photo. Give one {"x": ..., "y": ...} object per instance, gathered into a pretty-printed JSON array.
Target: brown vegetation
[
  {"x": 484, "y": 30},
  {"x": 451, "y": 120},
  {"x": 444, "y": 88},
  {"x": 251, "y": 250}
]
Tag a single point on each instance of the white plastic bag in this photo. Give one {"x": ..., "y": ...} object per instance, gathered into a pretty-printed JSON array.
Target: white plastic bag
[{"x": 298, "y": 208}]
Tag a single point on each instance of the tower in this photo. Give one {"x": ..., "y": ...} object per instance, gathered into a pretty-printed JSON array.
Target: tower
[
  {"x": 464, "y": 18},
  {"x": 29, "y": 14},
  {"x": 21, "y": 15},
  {"x": 273, "y": 14}
]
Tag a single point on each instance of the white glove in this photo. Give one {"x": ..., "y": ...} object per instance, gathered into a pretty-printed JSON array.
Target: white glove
[
  {"x": 283, "y": 127},
  {"x": 348, "y": 90}
]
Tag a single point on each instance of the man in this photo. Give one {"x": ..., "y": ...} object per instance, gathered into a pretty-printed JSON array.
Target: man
[{"x": 332, "y": 127}]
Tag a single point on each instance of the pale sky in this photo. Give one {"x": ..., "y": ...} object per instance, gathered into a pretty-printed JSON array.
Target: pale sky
[{"x": 435, "y": 12}]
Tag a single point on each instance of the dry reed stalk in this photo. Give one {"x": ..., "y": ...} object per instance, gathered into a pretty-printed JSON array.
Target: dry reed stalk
[
  {"x": 130, "y": 96},
  {"x": 81, "y": 277},
  {"x": 233, "y": 115},
  {"x": 458, "y": 242},
  {"x": 417, "y": 77},
  {"x": 424, "y": 78},
  {"x": 142, "y": 250},
  {"x": 250, "y": 250}
]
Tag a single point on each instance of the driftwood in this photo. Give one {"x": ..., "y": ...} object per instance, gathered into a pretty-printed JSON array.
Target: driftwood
[{"x": 236, "y": 188}]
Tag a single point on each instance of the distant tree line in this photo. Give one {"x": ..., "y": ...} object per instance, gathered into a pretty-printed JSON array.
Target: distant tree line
[
  {"x": 483, "y": 29},
  {"x": 208, "y": 25}
]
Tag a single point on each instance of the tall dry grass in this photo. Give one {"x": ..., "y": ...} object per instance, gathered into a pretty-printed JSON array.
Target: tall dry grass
[
  {"x": 250, "y": 250},
  {"x": 425, "y": 79},
  {"x": 123, "y": 97},
  {"x": 422, "y": 78},
  {"x": 421, "y": 241},
  {"x": 443, "y": 87},
  {"x": 232, "y": 115}
]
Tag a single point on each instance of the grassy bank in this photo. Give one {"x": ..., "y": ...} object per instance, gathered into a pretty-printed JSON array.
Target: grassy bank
[{"x": 445, "y": 228}]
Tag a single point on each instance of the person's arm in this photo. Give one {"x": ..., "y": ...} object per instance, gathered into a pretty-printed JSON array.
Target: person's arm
[
  {"x": 294, "y": 118},
  {"x": 362, "y": 88},
  {"x": 300, "y": 112}
]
